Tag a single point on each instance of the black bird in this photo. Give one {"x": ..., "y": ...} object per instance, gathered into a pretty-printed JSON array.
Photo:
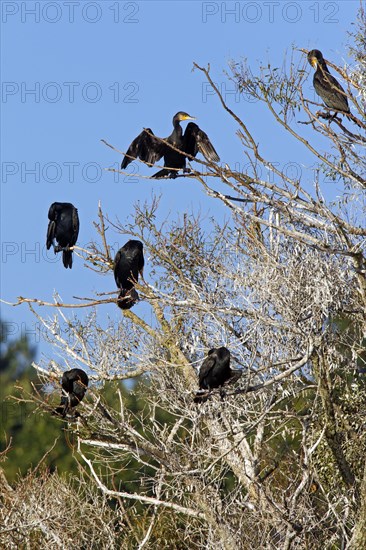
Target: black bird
[
  {"x": 74, "y": 384},
  {"x": 326, "y": 86},
  {"x": 128, "y": 264},
  {"x": 150, "y": 148},
  {"x": 215, "y": 371},
  {"x": 64, "y": 227}
]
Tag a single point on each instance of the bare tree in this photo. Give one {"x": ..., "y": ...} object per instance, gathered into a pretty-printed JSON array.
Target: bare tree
[{"x": 278, "y": 461}]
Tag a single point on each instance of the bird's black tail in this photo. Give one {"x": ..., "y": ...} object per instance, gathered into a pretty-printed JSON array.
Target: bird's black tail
[
  {"x": 165, "y": 173},
  {"x": 67, "y": 258}
]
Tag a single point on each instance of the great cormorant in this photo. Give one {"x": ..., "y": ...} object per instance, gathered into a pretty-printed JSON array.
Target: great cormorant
[
  {"x": 64, "y": 227},
  {"x": 215, "y": 371},
  {"x": 74, "y": 383},
  {"x": 150, "y": 148},
  {"x": 326, "y": 86},
  {"x": 128, "y": 264}
]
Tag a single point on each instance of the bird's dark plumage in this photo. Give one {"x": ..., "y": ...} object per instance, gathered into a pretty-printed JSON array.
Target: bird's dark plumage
[
  {"x": 326, "y": 86},
  {"x": 64, "y": 227},
  {"x": 215, "y": 371},
  {"x": 128, "y": 264},
  {"x": 74, "y": 384},
  {"x": 151, "y": 149},
  {"x": 145, "y": 147},
  {"x": 196, "y": 141}
]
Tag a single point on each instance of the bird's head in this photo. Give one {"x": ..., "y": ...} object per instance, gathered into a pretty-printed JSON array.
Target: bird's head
[
  {"x": 315, "y": 57},
  {"x": 133, "y": 244},
  {"x": 181, "y": 116},
  {"x": 128, "y": 299},
  {"x": 222, "y": 352}
]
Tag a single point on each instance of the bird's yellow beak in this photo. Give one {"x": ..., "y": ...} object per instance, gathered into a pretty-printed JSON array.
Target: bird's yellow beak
[
  {"x": 314, "y": 62},
  {"x": 188, "y": 117}
]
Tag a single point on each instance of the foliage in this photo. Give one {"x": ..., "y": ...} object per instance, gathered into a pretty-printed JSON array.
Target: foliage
[{"x": 21, "y": 423}]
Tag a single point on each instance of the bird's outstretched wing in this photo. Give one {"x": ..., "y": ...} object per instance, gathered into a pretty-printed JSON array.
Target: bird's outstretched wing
[
  {"x": 196, "y": 140},
  {"x": 146, "y": 147}
]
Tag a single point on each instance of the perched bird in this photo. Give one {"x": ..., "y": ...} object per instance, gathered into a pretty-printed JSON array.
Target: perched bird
[
  {"x": 215, "y": 371},
  {"x": 326, "y": 86},
  {"x": 128, "y": 264},
  {"x": 150, "y": 148},
  {"x": 64, "y": 227},
  {"x": 74, "y": 384}
]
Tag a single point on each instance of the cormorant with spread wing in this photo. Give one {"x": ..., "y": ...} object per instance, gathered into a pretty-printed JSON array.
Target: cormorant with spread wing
[
  {"x": 74, "y": 384},
  {"x": 215, "y": 371},
  {"x": 64, "y": 227},
  {"x": 326, "y": 86},
  {"x": 150, "y": 149},
  {"x": 128, "y": 264}
]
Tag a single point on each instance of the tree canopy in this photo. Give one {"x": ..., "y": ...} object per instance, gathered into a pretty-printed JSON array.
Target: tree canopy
[{"x": 277, "y": 459}]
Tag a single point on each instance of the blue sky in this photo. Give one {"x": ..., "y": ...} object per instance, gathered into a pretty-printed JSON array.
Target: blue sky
[{"x": 75, "y": 72}]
